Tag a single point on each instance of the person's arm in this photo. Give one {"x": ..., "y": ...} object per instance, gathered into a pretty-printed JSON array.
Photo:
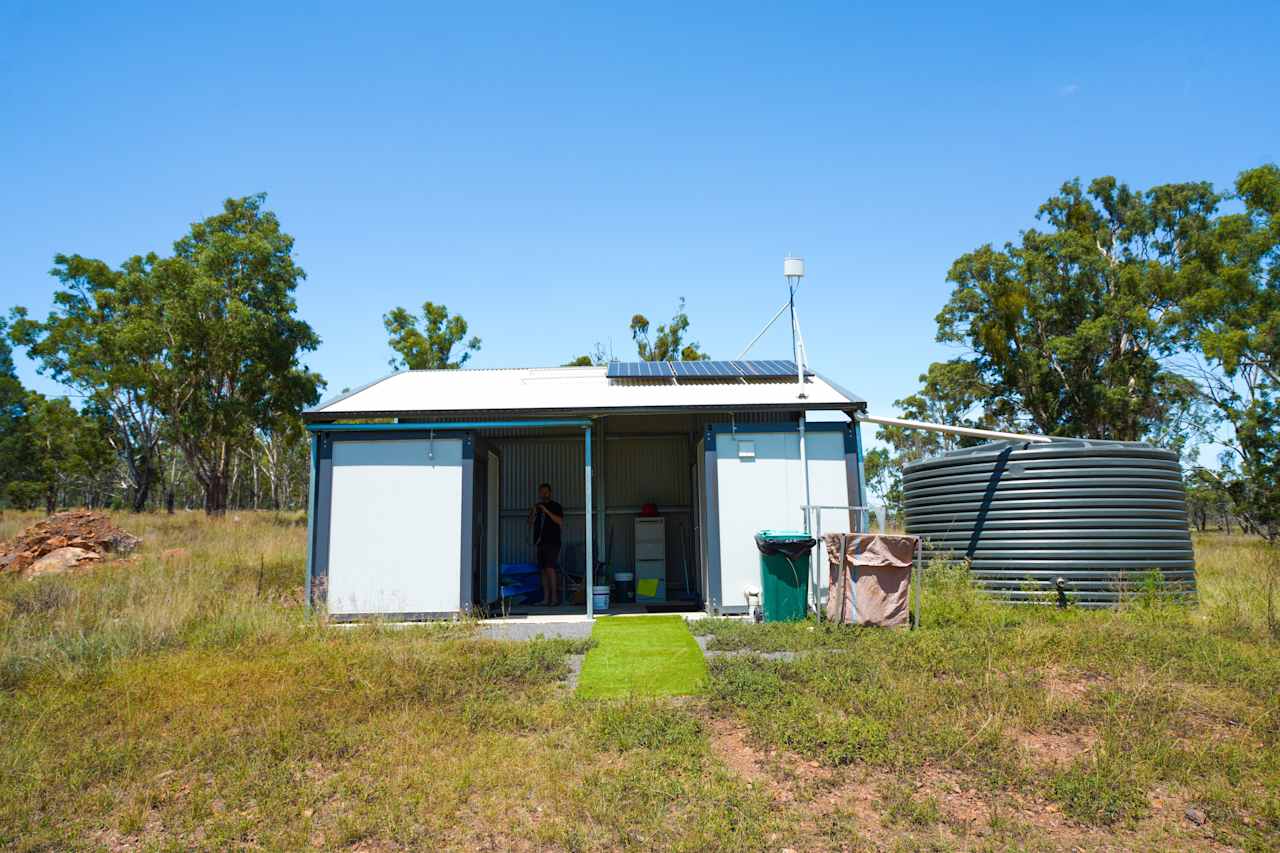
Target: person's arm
[{"x": 558, "y": 519}]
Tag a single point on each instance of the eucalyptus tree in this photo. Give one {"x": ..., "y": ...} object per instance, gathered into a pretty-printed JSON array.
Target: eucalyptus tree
[
  {"x": 223, "y": 314},
  {"x": 69, "y": 453},
  {"x": 429, "y": 346},
  {"x": 15, "y": 436},
  {"x": 668, "y": 340},
  {"x": 1065, "y": 327},
  {"x": 1228, "y": 319},
  {"x": 93, "y": 343}
]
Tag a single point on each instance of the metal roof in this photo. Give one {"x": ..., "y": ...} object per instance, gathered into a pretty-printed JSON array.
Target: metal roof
[{"x": 570, "y": 390}]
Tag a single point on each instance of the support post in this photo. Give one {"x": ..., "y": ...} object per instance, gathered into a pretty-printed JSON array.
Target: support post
[
  {"x": 311, "y": 515},
  {"x": 808, "y": 512},
  {"x": 590, "y": 579},
  {"x": 915, "y": 576}
]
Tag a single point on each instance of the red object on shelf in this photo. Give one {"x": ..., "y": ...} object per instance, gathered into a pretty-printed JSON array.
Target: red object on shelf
[{"x": 649, "y": 510}]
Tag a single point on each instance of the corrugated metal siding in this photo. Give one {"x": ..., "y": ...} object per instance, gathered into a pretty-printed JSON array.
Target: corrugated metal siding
[
  {"x": 641, "y": 470},
  {"x": 751, "y": 417},
  {"x": 636, "y": 470},
  {"x": 653, "y": 469},
  {"x": 526, "y": 462}
]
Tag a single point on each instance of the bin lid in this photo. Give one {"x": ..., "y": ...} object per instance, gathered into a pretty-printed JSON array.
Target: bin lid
[
  {"x": 782, "y": 535},
  {"x": 787, "y": 543}
]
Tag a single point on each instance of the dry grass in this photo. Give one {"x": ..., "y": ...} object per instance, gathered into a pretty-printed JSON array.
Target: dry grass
[{"x": 182, "y": 699}]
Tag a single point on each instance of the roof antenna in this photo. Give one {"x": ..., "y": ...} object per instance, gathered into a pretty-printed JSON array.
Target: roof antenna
[{"x": 793, "y": 270}]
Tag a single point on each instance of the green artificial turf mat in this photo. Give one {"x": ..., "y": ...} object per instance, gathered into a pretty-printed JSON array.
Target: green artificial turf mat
[{"x": 642, "y": 656}]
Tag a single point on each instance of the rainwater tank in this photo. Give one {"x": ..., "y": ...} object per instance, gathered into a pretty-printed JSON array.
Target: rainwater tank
[{"x": 1094, "y": 519}]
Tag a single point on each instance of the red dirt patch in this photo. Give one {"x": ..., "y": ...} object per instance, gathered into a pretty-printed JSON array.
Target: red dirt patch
[
  {"x": 1056, "y": 748},
  {"x": 849, "y": 808},
  {"x": 729, "y": 741},
  {"x": 1068, "y": 689}
]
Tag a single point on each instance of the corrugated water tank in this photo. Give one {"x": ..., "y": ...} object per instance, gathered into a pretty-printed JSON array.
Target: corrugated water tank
[{"x": 1092, "y": 518}]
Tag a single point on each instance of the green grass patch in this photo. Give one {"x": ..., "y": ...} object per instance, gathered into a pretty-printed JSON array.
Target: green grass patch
[
  {"x": 642, "y": 656},
  {"x": 646, "y": 724},
  {"x": 183, "y": 700},
  {"x": 1101, "y": 790}
]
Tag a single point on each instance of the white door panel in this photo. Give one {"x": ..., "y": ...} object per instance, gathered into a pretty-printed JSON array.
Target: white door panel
[{"x": 396, "y": 526}]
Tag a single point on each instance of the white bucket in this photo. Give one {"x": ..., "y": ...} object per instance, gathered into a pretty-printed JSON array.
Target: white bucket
[{"x": 600, "y": 597}]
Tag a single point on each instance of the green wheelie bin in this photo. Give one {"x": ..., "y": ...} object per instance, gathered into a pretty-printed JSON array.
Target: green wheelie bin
[{"x": 784, "y": 573}]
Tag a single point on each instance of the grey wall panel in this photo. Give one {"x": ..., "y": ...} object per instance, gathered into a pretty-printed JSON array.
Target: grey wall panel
[{"x": 1098, "y": 515}]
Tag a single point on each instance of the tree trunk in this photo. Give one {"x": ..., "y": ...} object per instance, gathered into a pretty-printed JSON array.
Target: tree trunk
[
  {"x": 145, "y": 476},
  {"x": 50, "y": 502},
  {"x": 215, "y": 494}
]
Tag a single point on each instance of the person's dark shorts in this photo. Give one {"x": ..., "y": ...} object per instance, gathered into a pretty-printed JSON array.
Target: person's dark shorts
[{"x": 549, "y": 555}]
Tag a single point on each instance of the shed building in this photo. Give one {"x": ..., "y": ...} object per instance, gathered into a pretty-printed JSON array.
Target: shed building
[{"x": 422, "y": 482}]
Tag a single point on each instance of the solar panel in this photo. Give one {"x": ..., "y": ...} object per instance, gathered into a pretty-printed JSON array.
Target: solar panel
[
  {"x": 639, "y": 370},
  {"x": 705, "y": 369},
  {"x": 763, "y": 369}
]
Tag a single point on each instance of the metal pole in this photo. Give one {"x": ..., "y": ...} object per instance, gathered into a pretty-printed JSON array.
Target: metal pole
[
  {"x": 804, "y": 464},
  {"x": 815, "y": 574},
  {"x": 766, "y": 328},
  {"x": 590, "y": 580},
  {"x": 791, "y": 303},
  {"x": 602, "y": 529}
]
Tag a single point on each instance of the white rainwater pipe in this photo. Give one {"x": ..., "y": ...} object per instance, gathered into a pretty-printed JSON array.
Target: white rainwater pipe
[{"x": 954, "y": 430}]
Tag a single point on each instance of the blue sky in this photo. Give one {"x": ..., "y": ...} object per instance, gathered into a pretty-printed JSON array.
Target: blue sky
[{"x": 549, "y": 172}]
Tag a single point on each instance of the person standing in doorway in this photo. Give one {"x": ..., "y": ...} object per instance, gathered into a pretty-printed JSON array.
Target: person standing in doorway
[{"x": 546, "y": 518}]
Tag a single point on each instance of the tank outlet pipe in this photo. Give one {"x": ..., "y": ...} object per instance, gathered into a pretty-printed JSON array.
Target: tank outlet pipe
[{"x": 954, "y": 430}]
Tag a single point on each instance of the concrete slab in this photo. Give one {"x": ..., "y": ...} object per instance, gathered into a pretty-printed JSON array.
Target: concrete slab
[{"x": 529, "y": 629}]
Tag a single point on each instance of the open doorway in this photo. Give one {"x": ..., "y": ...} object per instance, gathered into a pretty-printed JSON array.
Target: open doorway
[{"x": 645, "y": 507}]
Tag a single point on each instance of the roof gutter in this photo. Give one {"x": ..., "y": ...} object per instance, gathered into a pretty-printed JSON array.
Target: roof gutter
[
  {"x": 448, "y": 425},
  {"x": 321, "y": 417}
]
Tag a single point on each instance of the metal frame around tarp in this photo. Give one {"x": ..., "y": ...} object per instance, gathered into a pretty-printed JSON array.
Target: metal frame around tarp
[
  {"x": 320, "y": 498},
  {"x": 917, "y": 567}
]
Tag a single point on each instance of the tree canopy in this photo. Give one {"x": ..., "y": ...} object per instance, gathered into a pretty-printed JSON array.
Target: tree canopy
[
  {"x": 1129, "y": 315},
  {"x": 1227, "y": 319},
  {"x": 429, "y": 347},
  {"x": 1064, "y": 328},
  {"x": 223, "y": 312},
  {"x": 203, "y": 344},
  {"x": 95, "y": 343},
  {"x": 668, "y": 341}
]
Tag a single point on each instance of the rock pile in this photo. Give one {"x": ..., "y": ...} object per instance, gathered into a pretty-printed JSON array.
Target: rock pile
[{"x": 64, "y": 541}]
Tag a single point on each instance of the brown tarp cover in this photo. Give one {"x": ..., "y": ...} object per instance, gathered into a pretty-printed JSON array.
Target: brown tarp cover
[{"x": 870, "y": 578}]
